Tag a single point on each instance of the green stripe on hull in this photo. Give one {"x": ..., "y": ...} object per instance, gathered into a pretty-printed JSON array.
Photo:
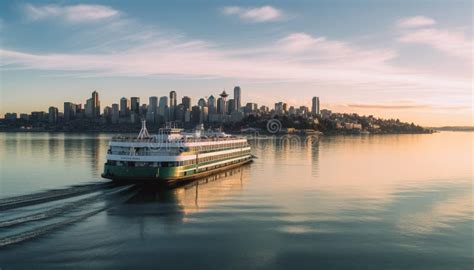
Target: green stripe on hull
[{"x": 161, "y": 173}]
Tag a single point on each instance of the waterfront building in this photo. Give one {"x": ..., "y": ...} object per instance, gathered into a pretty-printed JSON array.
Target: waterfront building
[
  {"x": 24, "y": 117},
  {"x": 10, "y": 116},
  {"x": 237, "y": 98},
  {"x": 315, "y": 106},
  {"x": 135, "y": 105},
  {"x": 53, "y": 114},
  {"x": 38, "y": 116},
  {"x": 124, "y": 107}
]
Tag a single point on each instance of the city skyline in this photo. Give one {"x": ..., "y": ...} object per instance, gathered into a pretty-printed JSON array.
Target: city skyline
[
  {"x": 167, "y": 109},
  {"x": 414, "y": 63}
]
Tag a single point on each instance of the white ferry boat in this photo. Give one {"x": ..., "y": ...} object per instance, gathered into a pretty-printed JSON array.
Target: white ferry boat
[{"x": 174, "y": 155}]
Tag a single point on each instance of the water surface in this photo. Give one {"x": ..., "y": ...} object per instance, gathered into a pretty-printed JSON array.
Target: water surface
[{"x": 360, "y": 202}]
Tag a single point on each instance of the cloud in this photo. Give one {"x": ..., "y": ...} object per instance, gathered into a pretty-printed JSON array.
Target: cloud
[
  {"x": 450, "y": 42},
  {"x": 316, "y": 60},
  {"x": 322, "y": 49},
  {"x": 417, "y": 21},
  {"x": 255, "y": 14},
  {"x": 73, "y": 13},
  {"x": 388, "y": 106},
  {"x": 405, "y": 105}
]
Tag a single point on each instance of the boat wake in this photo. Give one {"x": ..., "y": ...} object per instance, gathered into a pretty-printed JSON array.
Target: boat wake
[
  {"x": 30, "y": 222},
  {"x": 50, "y": 195}
]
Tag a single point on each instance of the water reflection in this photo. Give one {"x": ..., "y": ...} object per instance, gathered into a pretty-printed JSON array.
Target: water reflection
[{"x": 172, "y": 205}]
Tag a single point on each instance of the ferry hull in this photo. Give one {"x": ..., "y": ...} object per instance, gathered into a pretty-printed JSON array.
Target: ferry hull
[{"x": 160, "y": 175}]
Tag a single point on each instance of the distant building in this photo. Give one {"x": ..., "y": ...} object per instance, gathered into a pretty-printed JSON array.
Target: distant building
[
  {"x": 53, "y": 114},
  {"x": 89, "y": 108},
  {"x": 152, "y": 110},
  {"x": 38, "y": 116},
  {"x": 279, "y": 108},
  {"x": 315, "y": 106},
  {"x": 10, "y": 116},
  {"x": 114, "y": 113},
  {"x": 204, "y": 114},
  {"x": 211, "y": 104},
  {"x": 326, "y": 114},
  {"x": 187, "y": 116},
  {"x": 196, "y": 115},
  {"x": 163, "y": 111},
  {"x": 223, "y": 96},
  {"x": 124, "y": 107},
  {"x": 107, "y": 112},
  {"x": 69, "y": 111},
  {"x": 186, "y": 101},
  {"x": 24, "y": 117},
  {"x": 220, "y": 106},
  {"x": 143, "y": 109},
  {"x": 173, "y": 104},
  {"x": 237, "y": 98},
  {"x": 230, "y": 106},
  {"x": 135, "y": 105},
  {"x": 202, "y": 102},
  {"x": 95, "y": 105},
  {"x": 179, "y": 113}
]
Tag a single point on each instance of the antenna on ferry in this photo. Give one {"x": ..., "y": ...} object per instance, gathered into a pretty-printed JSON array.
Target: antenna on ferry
[{"x": 143, "y": 132}]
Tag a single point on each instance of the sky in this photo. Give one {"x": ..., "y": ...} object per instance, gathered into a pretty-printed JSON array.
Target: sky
[{"x": 403, "y": 59}]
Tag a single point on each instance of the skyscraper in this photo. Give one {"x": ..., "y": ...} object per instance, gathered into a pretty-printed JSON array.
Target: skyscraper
[
  {"x": 135, "y": 105},
  {"x": 89, "y": 108},
  {"x": 315, "y": 106},
  {"x": 186, "y": 102},
  {"x": 115, "y": 113},
  {"x": 163, "y": 110},
  {"x": 202, "y": 102},
  {"x": 52, "y": 114},
  {"x": 237, "y": 98},
  {"x": 69, "y": 111},
  {"x": 220, "y": 106},
  {"x": 95, "y": 105},
  {"x": 230, "y": 106},
  {"x": 211, "y": 103},
  {"x": 152, "y": 109},
  {"x": 124, "y": 107},
  {"x": 173, "y": 103}
]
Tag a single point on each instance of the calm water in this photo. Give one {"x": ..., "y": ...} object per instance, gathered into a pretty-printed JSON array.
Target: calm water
[{"x": 360, "y": 202}]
